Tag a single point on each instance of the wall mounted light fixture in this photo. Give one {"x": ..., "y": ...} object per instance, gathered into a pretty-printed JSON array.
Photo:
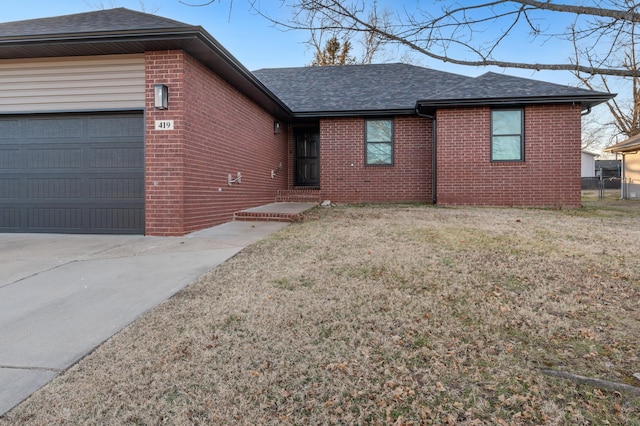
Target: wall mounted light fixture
[
  {"x": 276, "y": 127},
  {"x": 161, "y": 96}
]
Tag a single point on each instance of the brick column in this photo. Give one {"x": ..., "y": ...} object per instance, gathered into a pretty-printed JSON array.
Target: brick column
[{"x": 164, "y": 149}]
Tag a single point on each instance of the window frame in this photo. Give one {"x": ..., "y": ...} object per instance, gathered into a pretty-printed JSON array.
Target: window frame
[
  {"x": 391, "y": 142},
  {"x": 521, "y": 135}
]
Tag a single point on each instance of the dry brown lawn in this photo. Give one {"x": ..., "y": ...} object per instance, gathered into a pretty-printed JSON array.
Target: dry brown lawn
[{"x": 395, "y": 314}]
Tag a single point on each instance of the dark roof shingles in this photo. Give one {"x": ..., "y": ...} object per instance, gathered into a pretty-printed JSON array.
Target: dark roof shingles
[
  {"x": 355, "y": 87},
  {"x": 394, "y": 87},
  {"x": 501, "y": 86},
  {"x": 111, "y": 20}
]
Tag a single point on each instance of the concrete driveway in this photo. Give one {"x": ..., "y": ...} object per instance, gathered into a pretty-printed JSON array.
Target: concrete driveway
[{"x": 63, "y": 295}]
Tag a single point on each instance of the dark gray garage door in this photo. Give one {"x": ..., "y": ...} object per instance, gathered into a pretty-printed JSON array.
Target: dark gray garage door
[{"x": 81, "y": 173}]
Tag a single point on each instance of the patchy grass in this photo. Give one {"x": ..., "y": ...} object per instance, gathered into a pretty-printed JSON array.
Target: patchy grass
[{"x": 384, "y": 315}]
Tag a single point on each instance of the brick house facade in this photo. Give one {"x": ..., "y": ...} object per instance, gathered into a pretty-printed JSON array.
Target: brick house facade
[
  {"x": 228, "y": 120},
  {"x": 345, "y": 177},
  {"x": 549, "y": 176},
  {"x": 219, "y": 131}
]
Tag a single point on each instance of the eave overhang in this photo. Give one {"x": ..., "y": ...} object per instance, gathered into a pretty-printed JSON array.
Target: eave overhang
[
  {"x": 194, "y": 40},
  {"x": 631, "y": 145},
  {"x": 352, "y": 113},
  {"x": 585, "y": 101}
]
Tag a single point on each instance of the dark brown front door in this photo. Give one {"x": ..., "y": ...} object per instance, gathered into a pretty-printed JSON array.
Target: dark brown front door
[{"x": 307, "y": 157}]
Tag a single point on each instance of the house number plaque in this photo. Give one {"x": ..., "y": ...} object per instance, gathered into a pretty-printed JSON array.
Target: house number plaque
[{"x": 164, "y": 125}]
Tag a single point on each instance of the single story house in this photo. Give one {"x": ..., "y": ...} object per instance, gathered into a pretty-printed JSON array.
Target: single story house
[
  {"x": 630, "y": 152},
  {"x": 117, "y": 121}
]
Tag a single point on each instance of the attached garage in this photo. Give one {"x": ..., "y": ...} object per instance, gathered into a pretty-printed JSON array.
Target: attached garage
[
  {"x": 72, "y": 173},
  {"x": 86, "y": 146},
  {"x": 63, "y": 169}
]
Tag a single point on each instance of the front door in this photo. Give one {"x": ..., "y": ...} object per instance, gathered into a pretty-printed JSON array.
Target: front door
[{"x": 307, "y": 157}]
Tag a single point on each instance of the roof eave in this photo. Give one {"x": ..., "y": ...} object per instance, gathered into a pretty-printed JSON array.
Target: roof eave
[
  {"x": 627, "y": 150},
  {"x": 628, "y": 146},
  {"x": 352, "y": 113},
  {"x": 193, "y": 40},
  {"x": 587, "y": 101}
]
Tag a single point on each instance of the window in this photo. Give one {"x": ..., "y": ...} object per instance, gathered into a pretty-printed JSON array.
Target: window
[
  {"x": 507, "y": 139},
  {"x": 379, "y": 142}
]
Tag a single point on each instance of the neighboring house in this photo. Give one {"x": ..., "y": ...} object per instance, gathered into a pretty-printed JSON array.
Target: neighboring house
[
  {"x": 599, "y": 174},
  {"x": 630, "y": 152},
  {"x": 588, "y": 164},
  {"x": 86, "y": 144}
]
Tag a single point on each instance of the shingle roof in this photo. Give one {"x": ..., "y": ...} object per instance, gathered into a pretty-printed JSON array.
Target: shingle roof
[
  {"x": 370, "y": 89},
  {"x": 630, "y": 145},
  {"x": 501, "y": 86},
  {"x": 349, "y": 88},
  {"x": 303, "y": 92},
  {"x": 119, "y": 19}
]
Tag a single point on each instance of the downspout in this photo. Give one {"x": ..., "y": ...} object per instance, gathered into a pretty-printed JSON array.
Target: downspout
[
  {"x": 434, "y": 157},
  {"x": 623, "y": 187}
]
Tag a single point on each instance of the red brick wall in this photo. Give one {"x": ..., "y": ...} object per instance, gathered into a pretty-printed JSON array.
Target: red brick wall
[
  {"x": 164, "y": 150},
  {"x": 345, "y": 178},
  {"x": 218, "y": 132},
  {"x": 549, "y": 176}
]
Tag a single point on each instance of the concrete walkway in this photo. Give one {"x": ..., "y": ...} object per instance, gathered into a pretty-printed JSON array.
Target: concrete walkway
[{"x": 63, "y": 295}]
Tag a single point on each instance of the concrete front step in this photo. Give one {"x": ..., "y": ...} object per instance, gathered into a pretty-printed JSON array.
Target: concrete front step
[{"x": 275, "y": 212}]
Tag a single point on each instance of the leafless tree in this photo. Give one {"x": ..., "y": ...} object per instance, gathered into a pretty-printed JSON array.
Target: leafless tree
[
  {"x": 369, "y": 44},
  {"x": 601, "y": 32},
  {"x": 597, "y": 37},
  {"x": 456, "y": 33},
  {"x": 625, "y": 110}
]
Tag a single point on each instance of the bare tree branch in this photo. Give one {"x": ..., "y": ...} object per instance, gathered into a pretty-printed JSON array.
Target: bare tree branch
[
  {"x": 475, "y": 33},
  {"x": 623, "y": 15},
  {"x": 442, "y": 36}
]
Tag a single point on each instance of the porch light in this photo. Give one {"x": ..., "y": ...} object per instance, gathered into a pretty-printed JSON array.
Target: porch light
[
  {"x": 276, "y": 127},
  {"x": 161, "y": 96}
]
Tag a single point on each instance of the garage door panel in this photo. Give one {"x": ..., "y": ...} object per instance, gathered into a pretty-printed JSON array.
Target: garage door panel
[
  {"x": 52, "y": 187},
  {"x": 116, "y": 220},
  {"x": 52, "y": 129},
  {"x": 117, "y": 157},
  {"x": 54, "y": 157},
  {"x": 9, "y": 158},
  {"x": 114, "y": 128},
  {"x": 51, "y": 219},
  {"x": 53, "y": 182},
  {"x": 9, "y": 130},
  {"x": 9, "y": 188},
  {"x": 117, "y": 188},
  {"x": 9, "y": 219}
]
